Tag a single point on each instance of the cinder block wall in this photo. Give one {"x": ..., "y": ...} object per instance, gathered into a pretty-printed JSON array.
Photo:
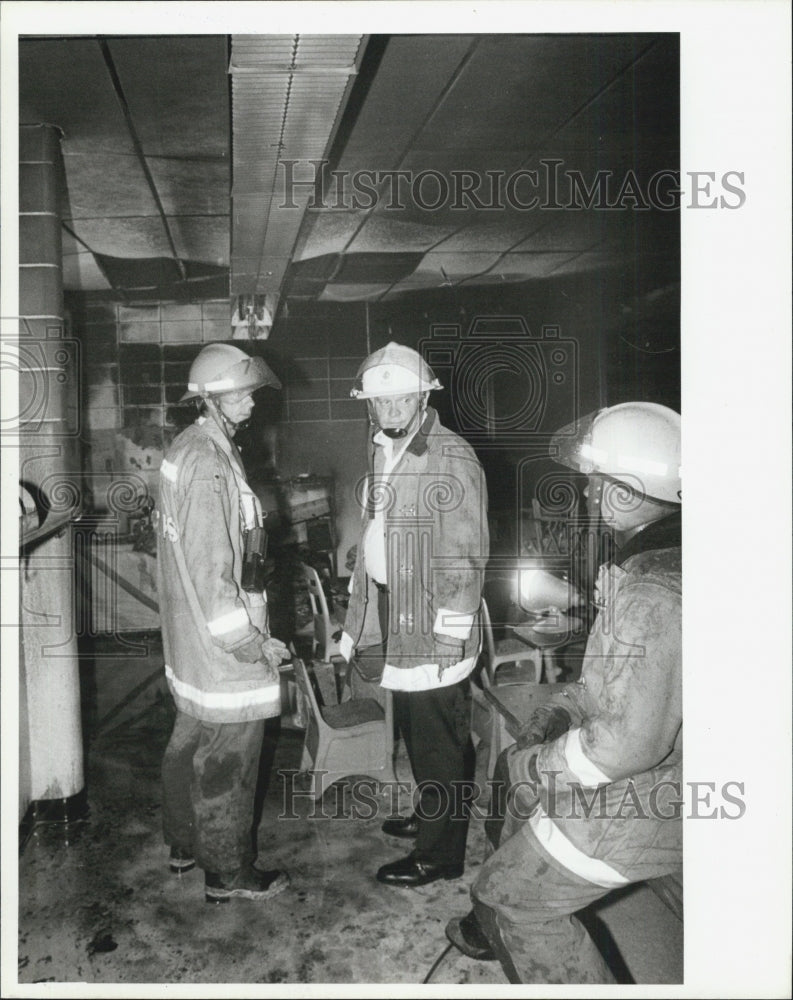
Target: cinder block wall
[{"x": 135, "y": 365}]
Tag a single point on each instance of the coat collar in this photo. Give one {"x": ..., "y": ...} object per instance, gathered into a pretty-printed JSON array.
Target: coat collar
[
  {"x": 419, "y": 444},
  {"x": 662, "y": 534}
]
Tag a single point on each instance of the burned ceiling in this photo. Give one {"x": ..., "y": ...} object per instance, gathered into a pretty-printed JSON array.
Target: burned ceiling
[{"x": 347, "y": 168}]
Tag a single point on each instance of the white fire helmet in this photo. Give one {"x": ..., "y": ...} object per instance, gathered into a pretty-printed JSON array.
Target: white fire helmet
[
  {"x": 635, "y": 443},
  {"x": 220, "y": 368},
  {"x": 393, "y": 370}
]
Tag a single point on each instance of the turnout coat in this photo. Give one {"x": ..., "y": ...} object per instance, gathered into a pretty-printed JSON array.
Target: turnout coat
[
  {"x": 434, "y": 507},
  {"x": 610, "y": 782},
  {"x": 204, "y": 508}
]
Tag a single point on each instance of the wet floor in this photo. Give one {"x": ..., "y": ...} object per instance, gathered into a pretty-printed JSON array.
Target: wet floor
[{"x": 104, "y": 908}]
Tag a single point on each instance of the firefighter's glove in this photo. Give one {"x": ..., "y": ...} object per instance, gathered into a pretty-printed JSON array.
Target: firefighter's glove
[
  {"x": 547, "y": 723},
  {"x": 447, "y": 652},
  {"x": 274, "y": 652},
  {"x": 251, "y": 652}
]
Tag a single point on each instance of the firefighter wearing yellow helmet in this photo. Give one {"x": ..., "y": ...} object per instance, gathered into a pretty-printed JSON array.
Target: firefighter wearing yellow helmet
[
  {"x": 595, "y": 776},
  {"x": 415, "y": 596},
  {"x": 221, "y": 663}
]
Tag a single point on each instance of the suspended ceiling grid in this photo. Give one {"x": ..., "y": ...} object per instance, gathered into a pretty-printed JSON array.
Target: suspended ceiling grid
[
  {"x": 145, "y": 126},
  {"x": 498, "y": 103},
  {"x": 148, "y": 162}
]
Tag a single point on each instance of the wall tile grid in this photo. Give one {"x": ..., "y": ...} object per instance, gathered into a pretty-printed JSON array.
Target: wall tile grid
[
  {"x": 320, "y": 390},
  {"x": 136, "y": 361},
  {"x": 135, "y": 365}
]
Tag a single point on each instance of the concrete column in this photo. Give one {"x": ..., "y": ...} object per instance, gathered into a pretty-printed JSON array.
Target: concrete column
[{"x": 50, "y": 725}]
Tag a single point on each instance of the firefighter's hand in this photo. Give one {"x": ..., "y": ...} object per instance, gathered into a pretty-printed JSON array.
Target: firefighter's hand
[
  {"x": 528, "y": 737},
  {"x": 546, "y": 724},
  {"x": 448, "y": 651},
  {"x": 251, "y": 652},
  {"x": 274, "y": 652}
]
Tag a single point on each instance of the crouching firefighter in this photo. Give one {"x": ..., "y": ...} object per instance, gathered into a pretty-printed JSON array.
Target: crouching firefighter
[
  {"x": 221, "y": 664},
  {"x": 594, "y": 780}
]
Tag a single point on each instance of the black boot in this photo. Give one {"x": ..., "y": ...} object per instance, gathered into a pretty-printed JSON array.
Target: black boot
[{"x": 468, "y": 937}]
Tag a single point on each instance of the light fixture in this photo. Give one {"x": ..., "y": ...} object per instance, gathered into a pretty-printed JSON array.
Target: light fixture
[
  {"x": 252, "y": 317},
  {"x": 540, "y": 590}
]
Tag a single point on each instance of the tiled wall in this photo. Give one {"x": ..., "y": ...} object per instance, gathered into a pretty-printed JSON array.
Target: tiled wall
[
  {"x": 135, "y": 365},
  {"x": 322, "y": 390}
]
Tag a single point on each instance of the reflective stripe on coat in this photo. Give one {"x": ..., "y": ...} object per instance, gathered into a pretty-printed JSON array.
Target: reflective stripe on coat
[{"x": 205, "y": 613}]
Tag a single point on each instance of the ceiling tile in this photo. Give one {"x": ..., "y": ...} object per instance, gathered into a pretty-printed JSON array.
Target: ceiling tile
[
  {"x": 352, "y": 293},
  {"x": 150, "y": 272},
  {"x": 524, "y": 87},
  {"x": 592, "y": 260},
  {"x": 498, "y": 234},
  {"x": 174, "y": 114},
  {"x": 106, "y": 185},
  {"x": 529, "y": 265},
  {"x": 373, "y": 268},
  {"x": 454, "y": 267},
  {"x": 191, "y": 187},
  {"x": 202, "y": 238},
  {"x": 410, "y": 79},
  {"x": 66, "y": 83},
  {"x": 327, "y": 232},
  {"x": 639, "y": 110},
  {"x": 134, "y": 237},
  {"x": 383, "y": 233}
]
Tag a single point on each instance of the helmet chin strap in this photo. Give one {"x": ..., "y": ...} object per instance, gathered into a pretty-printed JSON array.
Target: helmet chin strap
[{"x": 229, "y": 427}]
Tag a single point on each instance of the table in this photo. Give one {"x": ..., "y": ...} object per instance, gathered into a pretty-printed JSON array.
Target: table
[
  {"x": 512, "y": 706},
  {"x": 550, "y": 633}
]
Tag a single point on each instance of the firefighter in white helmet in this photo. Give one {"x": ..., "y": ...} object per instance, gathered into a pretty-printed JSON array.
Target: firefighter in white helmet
[
  {"x": 594, "y": 779},
  {"x": 221, "y": 664},
  {"x": 415, "y": 595}
]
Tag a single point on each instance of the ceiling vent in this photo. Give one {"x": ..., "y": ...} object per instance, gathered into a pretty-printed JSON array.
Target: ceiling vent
[{"x": 289, "y": 93}]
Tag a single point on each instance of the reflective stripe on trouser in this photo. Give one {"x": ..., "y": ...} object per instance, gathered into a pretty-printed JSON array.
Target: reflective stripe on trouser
[
  {"x": 209, "y": 776},
  {"x": 525, "y": 897}
]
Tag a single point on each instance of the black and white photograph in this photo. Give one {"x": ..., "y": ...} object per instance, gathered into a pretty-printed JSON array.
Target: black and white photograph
[{"x": 398, "y": 396}]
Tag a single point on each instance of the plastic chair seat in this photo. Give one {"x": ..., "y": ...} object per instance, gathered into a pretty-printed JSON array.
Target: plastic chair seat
[
  {"x": 353, "y": 738},
  {"x": 353, "y": 713}
]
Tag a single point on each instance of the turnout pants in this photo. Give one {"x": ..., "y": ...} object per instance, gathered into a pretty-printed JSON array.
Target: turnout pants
[
  {"x": 560, "y": 860},
  {"x": 209, "y": 776}
]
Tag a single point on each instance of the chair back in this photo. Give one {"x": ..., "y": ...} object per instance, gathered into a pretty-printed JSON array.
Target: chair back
[
  {"x": 489, "y": 644},
  {"x": 494, "y": 659},
  {"x": 320, "y": 613},
  {"x": 314, "y": 723},
  {"x": 553, "y": 531},
  {"x": 579, "y": 547}
]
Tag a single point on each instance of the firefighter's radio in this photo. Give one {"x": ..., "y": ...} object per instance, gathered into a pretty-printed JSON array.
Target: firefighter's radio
[{"x": 253, "y": 560}]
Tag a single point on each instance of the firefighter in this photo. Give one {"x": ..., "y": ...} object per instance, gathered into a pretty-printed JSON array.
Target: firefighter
[
  {"x": 416, "y": 589},
  {"x": 221, "y": 664},
  {"x": 595, "y": 776}
]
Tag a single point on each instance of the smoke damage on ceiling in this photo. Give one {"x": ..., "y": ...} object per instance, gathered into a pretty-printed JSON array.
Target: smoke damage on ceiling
[{"x": 358, "y": 168}]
